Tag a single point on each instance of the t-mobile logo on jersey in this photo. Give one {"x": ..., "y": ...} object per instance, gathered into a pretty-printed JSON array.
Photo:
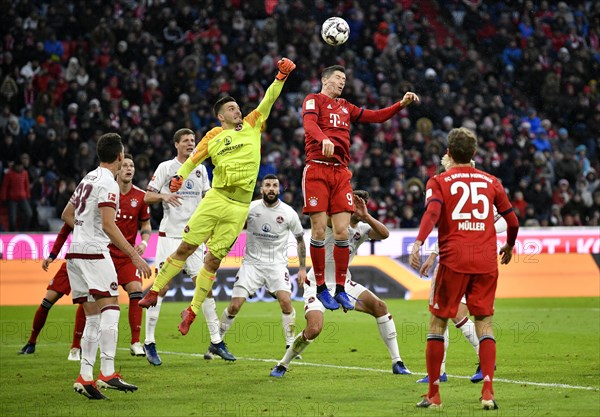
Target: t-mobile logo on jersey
[{"x": 334, "y": 119}]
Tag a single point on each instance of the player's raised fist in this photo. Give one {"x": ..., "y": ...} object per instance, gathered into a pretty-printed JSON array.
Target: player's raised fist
[
  {"x": 285, "y": 66},
  {"x": 175, "y": 183}
]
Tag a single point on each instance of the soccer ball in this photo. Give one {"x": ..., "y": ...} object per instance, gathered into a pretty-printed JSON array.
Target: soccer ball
[{"x": 335, "y": 31}]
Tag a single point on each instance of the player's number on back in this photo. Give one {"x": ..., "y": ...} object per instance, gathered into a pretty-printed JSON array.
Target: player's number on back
[
  {"x": 470, "y": 192},
  {"x": 82, "y": 193}
]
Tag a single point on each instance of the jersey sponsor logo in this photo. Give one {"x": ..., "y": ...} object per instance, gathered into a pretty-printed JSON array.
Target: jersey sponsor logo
[
  {"x": 134, "y": 202},
  {"x": 227, "y": 140},
  {"x": 310, "y": 104},
  {"x": 189, "y": 184},
  {"x": 266, "y": 227},
  {"x": 114, "y": 286},
  {"x": 279, "y": 219},
  {"x": 112, "y": 197},
  {"x": 313, "y": 201}
]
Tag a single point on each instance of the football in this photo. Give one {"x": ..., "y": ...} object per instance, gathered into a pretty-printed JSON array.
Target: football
[{"x": 335, "y": 31}]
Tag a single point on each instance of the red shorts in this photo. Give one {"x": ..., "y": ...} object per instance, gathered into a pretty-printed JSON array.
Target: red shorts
[
  {"x": 126, "y": 271},
  {"x": 449, "y": 286},
  {"x": 60, "y": 283},
  {"x": 326, "y": 188}
]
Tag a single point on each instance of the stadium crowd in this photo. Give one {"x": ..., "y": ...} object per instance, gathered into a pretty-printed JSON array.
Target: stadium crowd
[{"x": 524, "y": 76}]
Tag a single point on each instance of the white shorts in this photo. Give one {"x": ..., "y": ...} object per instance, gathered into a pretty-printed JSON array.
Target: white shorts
[
  {"x": 166, "y": 246},
  {"x": 312, "y": 303},
  {"x": 251, "y": 277},
  {"x": 89, "y": 277}
]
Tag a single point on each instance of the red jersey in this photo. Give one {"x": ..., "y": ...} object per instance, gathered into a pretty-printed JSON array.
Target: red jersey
[
  {"x": 334, "y": 117},
  {"x": 132, "y": 210},
  {"x": 466, "y": 232}
]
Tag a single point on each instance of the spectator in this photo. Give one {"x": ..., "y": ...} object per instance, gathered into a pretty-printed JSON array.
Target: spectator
[{"x": 15, "y": 192}]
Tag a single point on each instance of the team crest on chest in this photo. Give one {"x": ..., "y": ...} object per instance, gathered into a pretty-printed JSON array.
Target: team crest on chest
[
  {"x": 344, "y": 110},
  {"x": 198, "y": 174},
  {"x": 134, "y": 203},
  {"x": 356, "y": 236},
  {"x": 279, "y": 219}
]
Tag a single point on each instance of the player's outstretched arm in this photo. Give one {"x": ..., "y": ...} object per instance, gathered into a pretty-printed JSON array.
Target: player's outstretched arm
[
  {"x": 285, "y": 66},
  {"x": 381, "y": 115}
]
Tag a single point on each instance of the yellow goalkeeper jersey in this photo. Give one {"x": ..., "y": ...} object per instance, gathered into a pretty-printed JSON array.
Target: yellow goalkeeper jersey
[{"x": 235, "y": 153}]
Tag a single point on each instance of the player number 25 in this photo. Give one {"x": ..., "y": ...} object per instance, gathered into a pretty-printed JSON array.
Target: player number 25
[{"x": 470, "y": 191}]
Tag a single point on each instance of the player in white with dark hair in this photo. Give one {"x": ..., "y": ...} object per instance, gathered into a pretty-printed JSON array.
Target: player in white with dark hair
[
  {"x": 91, "y": 213},
  {"x": 270, "y": 221},
  {"x": 178, "y": 208},
  {"x": 362, "y": 227}
]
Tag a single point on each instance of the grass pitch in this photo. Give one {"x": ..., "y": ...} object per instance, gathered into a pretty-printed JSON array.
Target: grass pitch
[{"x": 548, "y": 365}]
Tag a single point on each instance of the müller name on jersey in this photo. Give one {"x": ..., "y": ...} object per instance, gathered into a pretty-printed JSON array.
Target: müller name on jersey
[{"x": 471, "y": 226}]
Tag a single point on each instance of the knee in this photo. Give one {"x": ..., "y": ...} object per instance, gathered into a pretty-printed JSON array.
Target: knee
[
  {"x": 380, "y": 308},
  {"x": 234, "y": 307},
  {"x": 185, "y": 250},
  {"x": 312, "y": 331},
  {"x": 212, "y": 263}
]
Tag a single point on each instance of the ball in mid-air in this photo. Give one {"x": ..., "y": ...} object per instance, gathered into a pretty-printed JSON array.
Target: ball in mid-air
[{"x": 335, "y": 31}]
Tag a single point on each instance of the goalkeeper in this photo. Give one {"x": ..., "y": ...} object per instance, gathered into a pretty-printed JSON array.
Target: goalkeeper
[{"x": 235, "y": 152}]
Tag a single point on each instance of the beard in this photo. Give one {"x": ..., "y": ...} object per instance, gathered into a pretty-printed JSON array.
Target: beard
[{"x": 270, "y": 198}]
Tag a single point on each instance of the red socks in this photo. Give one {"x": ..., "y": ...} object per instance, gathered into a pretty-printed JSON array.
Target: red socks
[{"x": 434, "y": 356}]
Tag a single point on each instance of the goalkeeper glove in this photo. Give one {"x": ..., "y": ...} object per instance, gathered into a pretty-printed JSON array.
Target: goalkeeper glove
[
  {"x": 285, "y": 67},
  {"x": 175, "y": 183}
]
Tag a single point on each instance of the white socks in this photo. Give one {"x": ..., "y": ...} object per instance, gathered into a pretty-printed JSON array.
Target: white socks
[
  {"x": 446, "y": 344},
  {"x": 467, "y": 327},
  {"x": 387, "y": 331},
  {"x": 209, "y": 309},
  {"x": 89, "y": 346},
  {"x": 109, "y": 334},
  {"x": 295, "y": 349},
  {"x": 288, "y": 322},
  {"x": 151, "y": 320},
  {"x": 226, "y": 321}
]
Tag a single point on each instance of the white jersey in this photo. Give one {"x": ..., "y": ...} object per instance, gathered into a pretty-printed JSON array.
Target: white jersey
[
  {"x": 268, "y": 231},
  {"x": 175, "y": 218},
  {"x": 98, "y": 189},
  {"x": 356, "y": 236}
]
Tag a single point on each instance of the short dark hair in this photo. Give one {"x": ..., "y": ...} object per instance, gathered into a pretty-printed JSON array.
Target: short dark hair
[
  {"x": 221, "y": 102},
  {"x": 109, "y": 147},
  {"x": 185, "y": 131},
  {"x": 462, "y": 145},
  {"x": 270, "y": 177},
  {"x": 128, "y": 156},
  {"x": 330, "y": 70},
  {"x": 364, "y": 195}
]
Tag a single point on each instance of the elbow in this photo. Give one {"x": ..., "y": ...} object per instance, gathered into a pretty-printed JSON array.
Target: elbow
[{"x": 385, "y": 234}]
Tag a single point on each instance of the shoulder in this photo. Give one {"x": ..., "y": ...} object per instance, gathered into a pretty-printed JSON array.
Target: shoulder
[
  {"x": 138, "y": 191},
  {"x": 312, "y": 102},
  {"x": 213, "y": 132},
  {"x": 255, "y": 204}
]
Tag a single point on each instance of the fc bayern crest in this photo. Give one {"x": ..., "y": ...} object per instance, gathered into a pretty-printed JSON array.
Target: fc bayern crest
[
  {"x": 313, "y": 201},
  {"x": 279, "y": 219},
  {"x": 134, "y": 202}
]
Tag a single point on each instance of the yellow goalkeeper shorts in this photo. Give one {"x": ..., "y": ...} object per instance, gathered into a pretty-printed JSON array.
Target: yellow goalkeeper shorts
[{"x": 218, "y": 220}]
